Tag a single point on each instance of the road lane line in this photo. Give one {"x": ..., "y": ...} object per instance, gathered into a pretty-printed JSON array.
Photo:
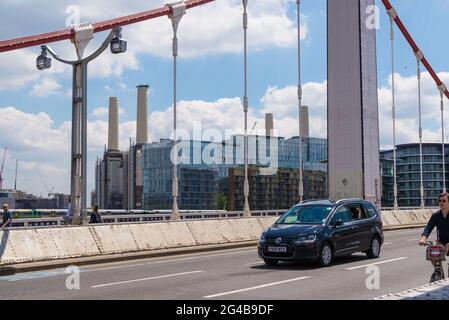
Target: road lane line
[
  {"x": 254, "y": 263},
  {"x": 205, "y": 256},
  {"x": 254, "y": 288},
  {"x": 387, "y": 243},
  {"x": 417, "y": 239},
  {"x": 166, "y": 261},
  {"x": 146, "y": 279},
  {"x": 377, "y": 263}
]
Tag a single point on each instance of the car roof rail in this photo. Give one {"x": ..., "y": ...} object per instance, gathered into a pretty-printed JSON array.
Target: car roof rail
[
  {"x": 350, "y": 199},
  {"x": 316, "y": 201}
]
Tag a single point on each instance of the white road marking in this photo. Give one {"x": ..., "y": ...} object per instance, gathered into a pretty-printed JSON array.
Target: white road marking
[
  {"x": 205, "y": 256},
  {"x": 255, "y": 288},
  {"x": 417, "y": 239},
  {"x": 171, "y": 260},
  {"x": 113, "y": 266},
  {"x": 145, "y": 279},
  {"x": 117, "y": 267},
  {"x": 377, "y": 263},
  {"x": 387, "y": 243}
]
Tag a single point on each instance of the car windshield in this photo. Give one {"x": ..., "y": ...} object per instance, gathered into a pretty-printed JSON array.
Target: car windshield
[{"x": 306, "y": 215}]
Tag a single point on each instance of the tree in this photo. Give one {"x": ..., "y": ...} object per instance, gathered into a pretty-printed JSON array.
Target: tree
[{"x": 221, "y": 201}]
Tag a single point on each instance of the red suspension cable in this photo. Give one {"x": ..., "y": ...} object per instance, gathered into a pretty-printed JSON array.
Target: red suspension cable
[
  {"x": 30, "y": 41},
  {"x": 414, "y": 47}
]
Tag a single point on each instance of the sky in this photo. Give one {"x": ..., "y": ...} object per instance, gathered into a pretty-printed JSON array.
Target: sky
[{"x": 35, "y": 106}]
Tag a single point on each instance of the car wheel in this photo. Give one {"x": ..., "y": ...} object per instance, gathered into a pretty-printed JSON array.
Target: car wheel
[
  {"x": 326, "y": 255},
  {"x": 271, "y": 262},
  {"x": 374, "y": 249}
]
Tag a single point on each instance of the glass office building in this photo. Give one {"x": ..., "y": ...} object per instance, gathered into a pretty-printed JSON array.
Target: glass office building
[
  {"x": 203, "y": 166},
  {"x": 408, "y": 174}
]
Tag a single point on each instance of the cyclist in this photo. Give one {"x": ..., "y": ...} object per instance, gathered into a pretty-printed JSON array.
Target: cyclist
[{"x": 439, "y": 219}]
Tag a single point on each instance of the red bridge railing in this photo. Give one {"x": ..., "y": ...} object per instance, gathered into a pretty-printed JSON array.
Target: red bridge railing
[{"x": 44, "y": 38}]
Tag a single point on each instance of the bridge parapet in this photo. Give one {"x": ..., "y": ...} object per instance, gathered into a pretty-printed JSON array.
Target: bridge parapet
[{"x": 61, "y": 242}]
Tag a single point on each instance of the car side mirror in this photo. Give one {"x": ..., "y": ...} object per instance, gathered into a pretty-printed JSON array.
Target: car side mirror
[{"x": 338, "y": 223}]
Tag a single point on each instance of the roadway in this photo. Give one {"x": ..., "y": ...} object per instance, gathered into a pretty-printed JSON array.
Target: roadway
[{"x": 236, "y": 274}]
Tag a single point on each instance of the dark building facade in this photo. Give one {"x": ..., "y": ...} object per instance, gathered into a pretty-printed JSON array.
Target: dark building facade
[
  {"x": 408, "y": 174},
  {"x": 110, "y": 182},
  {"x": 278, "y": 191}
]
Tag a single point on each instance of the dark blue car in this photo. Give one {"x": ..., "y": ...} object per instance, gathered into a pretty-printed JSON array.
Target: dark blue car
[{"x": 322, "y": 230}]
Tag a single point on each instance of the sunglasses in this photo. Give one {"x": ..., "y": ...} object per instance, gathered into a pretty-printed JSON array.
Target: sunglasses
[{"x": 442, "y": 201}]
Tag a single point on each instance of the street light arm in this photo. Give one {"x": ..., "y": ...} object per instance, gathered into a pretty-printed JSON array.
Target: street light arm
[
  {"x": 103, "y": 46},
  {"x": 56, "y": 56},
  {"x": 93, "y": 56}
]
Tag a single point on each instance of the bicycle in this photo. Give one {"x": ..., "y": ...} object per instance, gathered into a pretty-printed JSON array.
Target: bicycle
[{"x": 436, "y": 254}]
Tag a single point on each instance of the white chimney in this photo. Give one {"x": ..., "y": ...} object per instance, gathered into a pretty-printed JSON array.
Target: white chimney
[
  {"x": 304, "y": 118},
  {"x": 113, "y": 124},
  {"x": 269, "y": 125},
  {"x": 142, "y": 115}
]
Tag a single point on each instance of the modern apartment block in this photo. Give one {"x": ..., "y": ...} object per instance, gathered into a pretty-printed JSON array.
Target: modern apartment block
[
  {"x": 205, "y": 170},
  {"x": 408, "y": 174},
  {"x": 278, "y": 191}
]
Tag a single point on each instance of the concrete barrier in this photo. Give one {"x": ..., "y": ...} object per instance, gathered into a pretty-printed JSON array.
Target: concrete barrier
[
  {"x": 405, "y": 218},
  {"x": 54, "y": 243},
  {"x": 225, "y": 231},
  {"x": 154, "y": 236}
]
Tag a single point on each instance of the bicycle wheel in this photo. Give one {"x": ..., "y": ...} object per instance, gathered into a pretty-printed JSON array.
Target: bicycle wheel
[{"x": 436, "y": 276}]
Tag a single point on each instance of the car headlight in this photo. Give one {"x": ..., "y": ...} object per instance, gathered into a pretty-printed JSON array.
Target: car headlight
[
  {"x": 262, "y": 238},
  {"x": 306, "y": 239}
]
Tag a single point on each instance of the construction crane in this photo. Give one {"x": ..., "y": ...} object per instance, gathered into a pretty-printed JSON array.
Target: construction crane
[
  {"x": 1, "y": 168},
  {"x": 254, "y": 127},
  {"x": 50, "y": 192}
]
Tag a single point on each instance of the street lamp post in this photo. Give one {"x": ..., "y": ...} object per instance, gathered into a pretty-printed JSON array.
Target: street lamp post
[
  {"x": 421, "y": 188},
  {"x": 301, "y": 183},
  {"x": 78, "y": 181},
  {"x": 178, "y": 9},
  {"x": 392, "y": 13},
  {"x": 246, "y": 210},
  {"x": 443, "y": 89}
]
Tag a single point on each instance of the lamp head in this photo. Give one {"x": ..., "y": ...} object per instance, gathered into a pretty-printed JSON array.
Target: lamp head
[
  {"x": 118, "y": 44},
  {"x": 43, "y": 62}
]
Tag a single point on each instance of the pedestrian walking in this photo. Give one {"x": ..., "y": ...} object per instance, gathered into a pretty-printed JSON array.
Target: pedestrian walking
[
  {"x": 7, "y": 217},
  {"x": 68, "y": 219},
  {"x": 95, "y": 217}
]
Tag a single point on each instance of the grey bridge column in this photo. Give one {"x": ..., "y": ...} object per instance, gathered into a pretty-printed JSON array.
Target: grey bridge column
[{"x": 353, "y": 121}]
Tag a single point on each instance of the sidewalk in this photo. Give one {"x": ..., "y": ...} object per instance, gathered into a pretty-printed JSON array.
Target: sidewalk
[{"x": 436, "y": 291}]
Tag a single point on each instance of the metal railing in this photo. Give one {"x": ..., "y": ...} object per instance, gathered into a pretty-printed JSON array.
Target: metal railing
[
  {"x": 409, "y": 208},
  {"x": 135, "y": 216}
]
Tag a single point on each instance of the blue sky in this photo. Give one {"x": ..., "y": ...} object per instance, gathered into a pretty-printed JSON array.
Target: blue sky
[{"x": 37, "y": 105}]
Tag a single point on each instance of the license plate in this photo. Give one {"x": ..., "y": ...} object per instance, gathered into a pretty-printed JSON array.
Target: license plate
[{"x": 277, "y": 249}]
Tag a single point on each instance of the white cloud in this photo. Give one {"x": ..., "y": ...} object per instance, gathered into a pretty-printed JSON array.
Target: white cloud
[
  {"x": 46, "y": 87},
  {"x": 214, "y": 28},
  {"x": 102, "y": 112},
  {"x": 17, "y": 69},
  {"x": 36, "y": 141},
  {"x": 283, "y": 102},
  {"x": 407, "y": 110}
]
